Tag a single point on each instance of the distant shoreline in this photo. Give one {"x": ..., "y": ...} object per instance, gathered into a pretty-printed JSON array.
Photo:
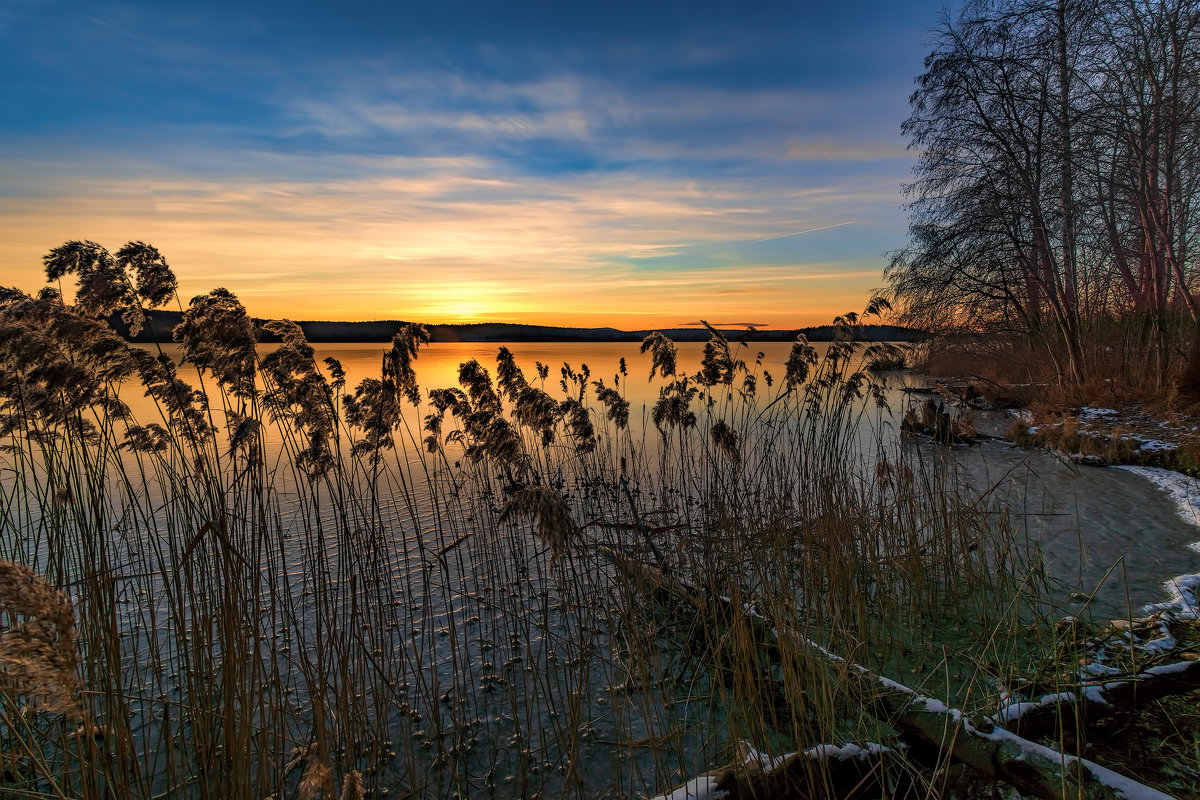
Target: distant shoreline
[{"x": 162, "y": 323}]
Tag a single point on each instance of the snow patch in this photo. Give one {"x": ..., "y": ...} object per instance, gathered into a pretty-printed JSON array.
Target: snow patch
[
  {"x": 765, "y": 761},
  {"x": 845, "y": 752},
  {"x": 1163, "y": 644},
  {"x": 1184, "y": 602},
  {"x": 1170, "y": 669},
  {"x": 1153, "y": 445},
  {"x": 1096, "y": 669},
  {"x": 1014, "y": 711},
  {"x": 702, "y": 788},
  {"x": 1095, "y": 694}
]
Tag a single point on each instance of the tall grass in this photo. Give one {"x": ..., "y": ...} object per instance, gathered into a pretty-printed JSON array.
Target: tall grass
[{"x": 282, "y": 587}]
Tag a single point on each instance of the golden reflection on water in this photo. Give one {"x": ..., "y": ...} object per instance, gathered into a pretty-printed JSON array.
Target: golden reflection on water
[{"x": 437, "y": 364}]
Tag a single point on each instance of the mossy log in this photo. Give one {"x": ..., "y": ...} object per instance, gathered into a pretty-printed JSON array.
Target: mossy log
[{"x": 991, "y": 750}]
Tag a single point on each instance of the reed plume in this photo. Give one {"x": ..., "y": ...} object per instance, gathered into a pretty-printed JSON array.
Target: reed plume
[
  {"x": 185, "y": 407},
  {"x": 618, "y": 406},
  {"x": 149, "y": 438},
  {"x": 399, "y": 360},
  {"x": 38, "y": 648},
  {"x": 551, "y": 517},
  {"x": 538, "y": 410},
  {"x": 102, "y": 287},
  {"x": 352, "y": 787},
  {"x": 673, "y": 407},
  {"x": 300, "y": 396},
  {"x": 374, "y": 409},
  {"x": 579, "y": 423},
  {"x": 218, "y": 337},
  {"x": 726, "y": 440},
  {"x": 110, "y": 284},
  {"x": 154, "y": 281},
  {"x": 662, "y": 354},
  {"x": 718, "y": 366},
  {"x": 316, "y": 783},
  {"x": 801, "y": 359},
  {"x": 509, "y": 377}
]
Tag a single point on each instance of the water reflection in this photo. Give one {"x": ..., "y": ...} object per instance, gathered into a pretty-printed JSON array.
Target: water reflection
[{"x": 1110, "y": 539}]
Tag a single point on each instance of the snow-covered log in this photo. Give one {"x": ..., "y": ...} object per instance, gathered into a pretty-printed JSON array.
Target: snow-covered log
[
  {"x": 982, "y": 745},
  {"x": 994, "y": 751},
  {"x": 1093, "y": 701},
  {"x": 825, "y": 770}
]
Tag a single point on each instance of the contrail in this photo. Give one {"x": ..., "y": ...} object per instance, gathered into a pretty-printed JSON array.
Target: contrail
[{"x": 810, "y": 230}]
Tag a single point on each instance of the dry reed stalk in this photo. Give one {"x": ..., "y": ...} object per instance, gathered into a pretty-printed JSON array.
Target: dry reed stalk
[{"x": 322, "y": 593}]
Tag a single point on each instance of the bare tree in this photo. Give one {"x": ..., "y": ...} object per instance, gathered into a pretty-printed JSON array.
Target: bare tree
[
  {"x": 1057, "y": 176},
  {"x": 993, "y": 118}
]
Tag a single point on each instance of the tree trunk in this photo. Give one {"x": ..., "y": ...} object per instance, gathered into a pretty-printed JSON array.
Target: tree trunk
[{"x": 1189, "y": 385}]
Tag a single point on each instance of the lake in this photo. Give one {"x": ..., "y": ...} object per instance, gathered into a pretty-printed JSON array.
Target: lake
[
  {"x": 1087, "y": 521},
  {"x": 406, "y": 618}
]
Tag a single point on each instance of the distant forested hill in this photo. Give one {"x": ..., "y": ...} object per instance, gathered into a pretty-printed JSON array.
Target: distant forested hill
[{"x": 163, "y": 322}]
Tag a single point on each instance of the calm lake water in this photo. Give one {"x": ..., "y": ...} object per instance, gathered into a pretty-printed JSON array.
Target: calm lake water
[
  {"x": 482, "y": 638},
  {"x": 437, "y": 363},
  {"x": 1108, "y": 534}
]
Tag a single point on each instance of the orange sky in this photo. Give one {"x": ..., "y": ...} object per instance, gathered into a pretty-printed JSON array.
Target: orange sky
[{"x": 633, "y": 254}]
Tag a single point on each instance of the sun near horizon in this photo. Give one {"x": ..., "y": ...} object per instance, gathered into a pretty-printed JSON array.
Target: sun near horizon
[{"x": 305, "y": 283}]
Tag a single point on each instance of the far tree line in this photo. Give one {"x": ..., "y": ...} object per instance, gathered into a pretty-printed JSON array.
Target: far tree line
[{"x": 1057, "y": 188}]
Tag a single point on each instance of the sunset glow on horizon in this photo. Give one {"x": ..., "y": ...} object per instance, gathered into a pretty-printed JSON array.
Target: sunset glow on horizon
[{"x": 628, "y": 167}]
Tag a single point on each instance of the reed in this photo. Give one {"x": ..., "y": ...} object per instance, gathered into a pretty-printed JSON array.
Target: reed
[{"x": 280, "y": 586}]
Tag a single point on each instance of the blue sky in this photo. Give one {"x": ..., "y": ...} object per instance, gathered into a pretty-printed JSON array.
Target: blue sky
[{"x": 637, "y": 164}]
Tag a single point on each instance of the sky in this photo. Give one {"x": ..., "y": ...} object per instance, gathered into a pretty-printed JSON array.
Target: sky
[{"x": 633, "y": 164}]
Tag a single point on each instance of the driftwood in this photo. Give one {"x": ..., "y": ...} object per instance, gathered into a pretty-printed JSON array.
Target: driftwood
[
  {"x": 983, "y": 745},
  {"x": 935, "y": 422}
]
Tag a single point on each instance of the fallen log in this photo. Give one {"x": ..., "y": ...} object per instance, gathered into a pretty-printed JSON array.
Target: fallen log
[
  {"x": 845, "y": 772},
  {"x": 1093, "y": 701},
  {"x": 991, "y": 750},
  {"x": 984, "y": 745}
]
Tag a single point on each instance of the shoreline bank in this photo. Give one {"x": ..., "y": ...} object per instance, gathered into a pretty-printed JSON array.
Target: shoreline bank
[
  {"x": 1113, "y": 521},
  {"x": 160, "y": 325}
]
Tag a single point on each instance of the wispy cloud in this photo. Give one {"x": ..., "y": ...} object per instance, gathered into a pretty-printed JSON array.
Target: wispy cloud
[
  {"x": 806, "y": 230},
  {"x": 387, "y": 236}
]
